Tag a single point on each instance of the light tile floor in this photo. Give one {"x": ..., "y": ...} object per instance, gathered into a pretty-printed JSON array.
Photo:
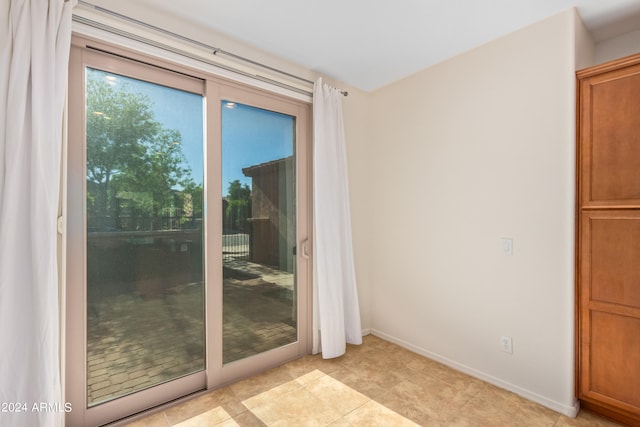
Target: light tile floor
[{"x": 377, "y": 383}]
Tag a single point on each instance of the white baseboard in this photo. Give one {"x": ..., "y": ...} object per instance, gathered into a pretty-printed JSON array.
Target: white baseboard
[{"x": 569, "y": 411}]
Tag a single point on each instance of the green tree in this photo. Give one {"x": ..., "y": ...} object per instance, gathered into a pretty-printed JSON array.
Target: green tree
[
  {"x": 238, "y": 206},
  {"x": 135, "y": 166},
  {"x": 192, "y": 198}
]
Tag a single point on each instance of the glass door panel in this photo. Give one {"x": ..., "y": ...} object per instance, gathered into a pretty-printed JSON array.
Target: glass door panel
[
  {"x": 259, "y": 230},
  {"x": 160, "y": 303},
  {"x": 144, "y": 235}
]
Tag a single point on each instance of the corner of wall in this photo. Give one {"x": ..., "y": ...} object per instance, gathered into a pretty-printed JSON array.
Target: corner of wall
[{"x": 585, "y": 54}]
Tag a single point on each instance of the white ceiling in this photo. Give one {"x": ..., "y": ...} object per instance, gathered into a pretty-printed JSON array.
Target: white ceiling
[{"x": 370, "y": 43}]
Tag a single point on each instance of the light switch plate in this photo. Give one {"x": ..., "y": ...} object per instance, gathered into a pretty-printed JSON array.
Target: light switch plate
[{"x": 507, "y": 245}]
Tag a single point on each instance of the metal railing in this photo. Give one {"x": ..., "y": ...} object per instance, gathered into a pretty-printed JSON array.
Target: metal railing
[
  {"x": 142, "y": 223},
  {"x": 236, "y": 245}
]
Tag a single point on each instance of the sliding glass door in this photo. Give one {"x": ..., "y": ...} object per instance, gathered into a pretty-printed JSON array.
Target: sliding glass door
[
  {"x": 186, "y": 205},
  {"x": 144, "y": 193},
  {"x": 263, "y": 169},
  {"x": 135, "y": 247},
  {"x": 259, "y": 230}
]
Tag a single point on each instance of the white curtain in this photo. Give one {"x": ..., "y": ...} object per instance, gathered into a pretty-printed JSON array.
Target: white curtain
[
  {"x": 34, "y": 54},
  {"x": 336, "y": 314}
]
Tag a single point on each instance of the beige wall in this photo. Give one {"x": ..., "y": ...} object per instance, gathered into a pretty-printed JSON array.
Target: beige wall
[
  {"x": 618, "y": 47},
  {"x": 461, "y": 154},
  {"x": 362, "y": 194},
  {"x": 585, "y": 47}
]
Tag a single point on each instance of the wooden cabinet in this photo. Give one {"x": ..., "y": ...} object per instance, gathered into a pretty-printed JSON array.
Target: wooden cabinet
[{"x": 608, "y": 253}]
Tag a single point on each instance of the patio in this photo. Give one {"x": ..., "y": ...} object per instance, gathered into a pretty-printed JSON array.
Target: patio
[{"x": 137, "y": 339}]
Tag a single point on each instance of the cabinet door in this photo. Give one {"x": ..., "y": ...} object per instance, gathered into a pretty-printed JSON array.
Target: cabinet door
[
  {"x": 610, "y": 139},
  {"x": 610, "y": 308}
]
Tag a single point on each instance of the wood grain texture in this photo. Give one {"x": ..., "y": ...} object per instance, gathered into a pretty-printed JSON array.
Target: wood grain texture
[
  {"x": 608, "y": 240},
  {"x": 610, "y": 139}
]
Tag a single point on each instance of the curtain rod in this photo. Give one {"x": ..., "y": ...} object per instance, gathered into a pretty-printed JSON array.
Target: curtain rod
[{"x": 213, "y": 49}]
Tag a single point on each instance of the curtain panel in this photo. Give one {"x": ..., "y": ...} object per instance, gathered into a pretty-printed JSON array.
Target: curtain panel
[
  {"x": 35, "y": 39},
  {"x": 336, "y": 313}
]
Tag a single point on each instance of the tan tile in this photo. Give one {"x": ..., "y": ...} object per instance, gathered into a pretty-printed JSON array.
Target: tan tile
[
  {"x": 226, "y": 398},
  {"x": 337, "y": 395},
  {"x": 373, "y": 414},
  {"x": 449, "y": 385},
  {"x": 480, "y": 412},
  {"x": 374, "y": 359},
  {"x": 499, "y": 396},
  {"x": 378, "y": 343},
  {"x": 585, "y": 419},
  {"x": 257, "y": 384},
  {"x": 212, "y": 417},
  {"x": 305, "y": 379},
  {"x": 341, "y": 422},
  {"x": 512, "y": 403},
  {"x": 413, "y": 365},
  {"x": 455, "y": 378},
  {"x": 474, "y": 420},
  {"x": 248, "y": 419},
  {"x": 272, "y": 395},
  {"x": 198, "y": 405},
  {"x": 307, "y": 364},
  {"x": 294, "y": 409},
  {"x": 470, "y": 385},
  {"x": 356, "y": 352},
  {"x": 377, "y": 373},
  {"x": 431, "y": 401},
  {"x": 377, "y": 370},
  {"x": 158, "y": 419},
  {"x": 356, "y": 348},
  {"x": 359, "y": 383}
]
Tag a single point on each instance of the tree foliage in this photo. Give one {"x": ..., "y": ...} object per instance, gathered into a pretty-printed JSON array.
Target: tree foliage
[
  {"x": 136, "y": 173},
  {"x": 238, "y": 207}
]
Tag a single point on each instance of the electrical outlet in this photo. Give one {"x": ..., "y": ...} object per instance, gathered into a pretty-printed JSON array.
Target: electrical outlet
[{"x": 506, "y": 344}]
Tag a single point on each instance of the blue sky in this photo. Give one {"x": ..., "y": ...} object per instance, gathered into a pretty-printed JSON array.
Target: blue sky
[
  {"x": 179, "y": 110},
  {"x": 250, "y": 135}
]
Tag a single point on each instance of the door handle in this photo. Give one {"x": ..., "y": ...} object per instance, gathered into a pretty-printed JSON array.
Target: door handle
[{"x": 304, "y": 248}]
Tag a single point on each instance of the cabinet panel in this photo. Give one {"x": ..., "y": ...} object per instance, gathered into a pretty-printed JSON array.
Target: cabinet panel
[
  {"x": 615, "y": 357},
  {"x": 613, "y": 252},
  {"x": 610, "y": 132}
]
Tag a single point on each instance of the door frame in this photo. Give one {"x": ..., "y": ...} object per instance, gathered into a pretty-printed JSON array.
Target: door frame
[
  {"x": 215, "y": 375},
  {"x": 246, "y": 367}
]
